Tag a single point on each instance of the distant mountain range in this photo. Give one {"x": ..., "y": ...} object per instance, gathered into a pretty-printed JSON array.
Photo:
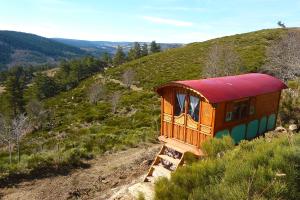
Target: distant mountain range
[
  {"x": 18, "y": 48},
  {"x": 98, "y": 47}
]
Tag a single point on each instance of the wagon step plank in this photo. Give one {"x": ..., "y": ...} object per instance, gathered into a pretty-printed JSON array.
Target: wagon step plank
[
  {"x": 176, "y": 148},
  {"x": 175, "y": 161},
  {"x": 150, "y": 179},
  {"x": 161, "y": 171}
]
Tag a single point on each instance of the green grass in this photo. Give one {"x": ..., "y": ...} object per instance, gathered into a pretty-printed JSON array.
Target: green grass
[
  {"x": 187, "y": 62},
  {"x": 265, "y": 168}
]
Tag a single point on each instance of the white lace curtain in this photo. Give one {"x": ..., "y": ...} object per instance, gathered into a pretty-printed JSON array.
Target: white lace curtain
[
  {"x": 194, "y": 101},
  {"x": 180, "y": 99}
]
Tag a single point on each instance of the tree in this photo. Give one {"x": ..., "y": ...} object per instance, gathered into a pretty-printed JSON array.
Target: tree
[
  {"x": 106, "y": 58},
  {"x": 12, "y": 133},
  {"x": 19, "y": 128},
  {"x": 115, "y": 98},
  {"x": 119, "y": 57},
  {"x": 15, "y": 86},
  {"x": 281, "y": 24},
  {"x": 128, "y": 77},
  {"x": 6, "y": 136},
  {"x": 135, "y": 52},
  {"x": 145, "y": 49},
  {"x": 45, "y": 86},
  {"x": 37, "y": 115},
  {"x": 222, "y": 60},
  {"x": 95, "y": 93},
  {"x": 154, "y": 47},
  {"x": 283, "y": 56}
]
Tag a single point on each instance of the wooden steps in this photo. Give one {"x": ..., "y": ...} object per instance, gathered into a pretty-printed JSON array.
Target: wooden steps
[
  {"x": 181, "y": 146},
  {"x": 166, "y": 161},
  {"x": 170, "y": 159}
]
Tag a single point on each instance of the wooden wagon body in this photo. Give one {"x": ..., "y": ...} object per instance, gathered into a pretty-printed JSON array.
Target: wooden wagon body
[{"x": 243, "y": 106}]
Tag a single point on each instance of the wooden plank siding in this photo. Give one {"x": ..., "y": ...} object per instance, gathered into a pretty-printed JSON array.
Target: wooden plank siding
[
  {"x": 265, "y": 105},
  {"x": 183, "y": 127}
]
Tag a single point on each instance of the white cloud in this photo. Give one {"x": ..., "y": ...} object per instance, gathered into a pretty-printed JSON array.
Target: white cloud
[
  {"x": 173, "y": 22},
  {"x": 175, "y": 8}
]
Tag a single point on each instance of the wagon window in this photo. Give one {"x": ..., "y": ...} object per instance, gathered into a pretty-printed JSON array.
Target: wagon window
[
  {"x": 194, "y": 108},
  {"x": 179, "y": 104},
  {"x": 240, "y": 110}
]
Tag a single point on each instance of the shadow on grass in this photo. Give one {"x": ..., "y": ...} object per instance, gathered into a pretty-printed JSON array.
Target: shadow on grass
[{"x": 40, "y": 173}]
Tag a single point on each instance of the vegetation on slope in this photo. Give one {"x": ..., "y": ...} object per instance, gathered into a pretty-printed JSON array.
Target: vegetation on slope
[
  {"x": 80, "y": 129},
  {"x": 265, "y": 168},
  {"x": 187, "y": 62}
]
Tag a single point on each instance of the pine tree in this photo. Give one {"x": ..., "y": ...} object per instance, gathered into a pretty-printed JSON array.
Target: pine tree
[
  {"x": 137, "y": 49},
  {"x": 45, "y": 86},
  {"x": 144, "y": 49},
  {"x": 154, "y": 48},
  {"x": 135, "y": 52},
  {"x": 15, "y": 85},
  {"x": 119, "y": 57},
  {"x": 131, "y": 54},
  {"x": 106, "y": 58}
]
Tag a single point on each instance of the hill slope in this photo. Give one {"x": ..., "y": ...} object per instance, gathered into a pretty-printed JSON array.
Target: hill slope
[
  {"x": 25, "y": 48},
  {"x": 186, "y": 62},
  {"x": 95, "y": 128}
]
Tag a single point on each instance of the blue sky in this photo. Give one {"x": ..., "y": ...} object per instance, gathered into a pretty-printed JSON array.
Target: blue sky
[{"x": 142, "y": 20}]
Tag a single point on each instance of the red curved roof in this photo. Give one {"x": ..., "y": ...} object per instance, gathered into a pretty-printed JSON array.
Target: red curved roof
[{"x": 232, "y": 87}]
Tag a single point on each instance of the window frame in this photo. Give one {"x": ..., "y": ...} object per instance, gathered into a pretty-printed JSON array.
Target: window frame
[
  {"x": 238, "y": 110},
  {"x": 186, "y": 105}
]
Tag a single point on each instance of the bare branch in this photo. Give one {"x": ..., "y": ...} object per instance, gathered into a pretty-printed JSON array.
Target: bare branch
[
  {"x": 222, "y": 60},
  {"x": 284, "y": 56},
  {"x": 128, "y": 77},
  {"x": 115, "y": 100},
  {"x": 95, "y": 93}
]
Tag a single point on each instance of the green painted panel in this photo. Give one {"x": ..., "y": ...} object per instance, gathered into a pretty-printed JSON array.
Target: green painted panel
[
  {"x": 271, "y": 122},
  {"x": 238, "y": 133},
  {"x": 252, "y": 129},
  {"x": 222, "y": 133},
  {"x": 262, "y": 125}
]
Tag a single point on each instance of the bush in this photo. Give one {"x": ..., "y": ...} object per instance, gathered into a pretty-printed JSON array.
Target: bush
[
  {"x": 259, "y": 169},
  {"x": 215, "y": 146}
]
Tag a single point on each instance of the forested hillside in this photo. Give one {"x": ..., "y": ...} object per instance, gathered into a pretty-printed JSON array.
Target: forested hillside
[
  {"x": 17, "y": 48},
  {"x": 100, "y": 47}
]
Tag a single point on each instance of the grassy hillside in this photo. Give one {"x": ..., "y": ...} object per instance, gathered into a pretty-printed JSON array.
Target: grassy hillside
[
  {"x": 186, "y": 62},
  {"x": 24, "y": 48},
  {"x": 79, "y": 129}
]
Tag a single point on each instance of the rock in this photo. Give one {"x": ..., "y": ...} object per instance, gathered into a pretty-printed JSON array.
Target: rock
[
  {"x": 122, "y": 176},
  {"x": 280, "y": 129},
  {"x": 104, "y": 181},
  {"x": 293, "y": 127}
]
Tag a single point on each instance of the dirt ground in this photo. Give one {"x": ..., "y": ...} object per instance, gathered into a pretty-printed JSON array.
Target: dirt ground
[{"x": 104, "y": 179}]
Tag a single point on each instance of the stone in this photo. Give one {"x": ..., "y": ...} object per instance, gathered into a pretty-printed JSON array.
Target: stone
[
  {"x": 280, "y": 129},
  {"x": 293, "y": 127}
]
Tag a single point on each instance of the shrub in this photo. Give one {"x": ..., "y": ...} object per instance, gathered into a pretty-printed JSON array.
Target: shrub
[
  {"x": 259, "y": 169},
  {"x": 215, "y": 146}
]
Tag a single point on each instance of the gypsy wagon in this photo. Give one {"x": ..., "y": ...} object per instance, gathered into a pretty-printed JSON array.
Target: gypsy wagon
[{"x": 192, "y": 111}]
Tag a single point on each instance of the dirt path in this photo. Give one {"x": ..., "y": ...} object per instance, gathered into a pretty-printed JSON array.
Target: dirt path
[
  {"x": 132, "y": 87},
  {"x": 100, "y": 181}
]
